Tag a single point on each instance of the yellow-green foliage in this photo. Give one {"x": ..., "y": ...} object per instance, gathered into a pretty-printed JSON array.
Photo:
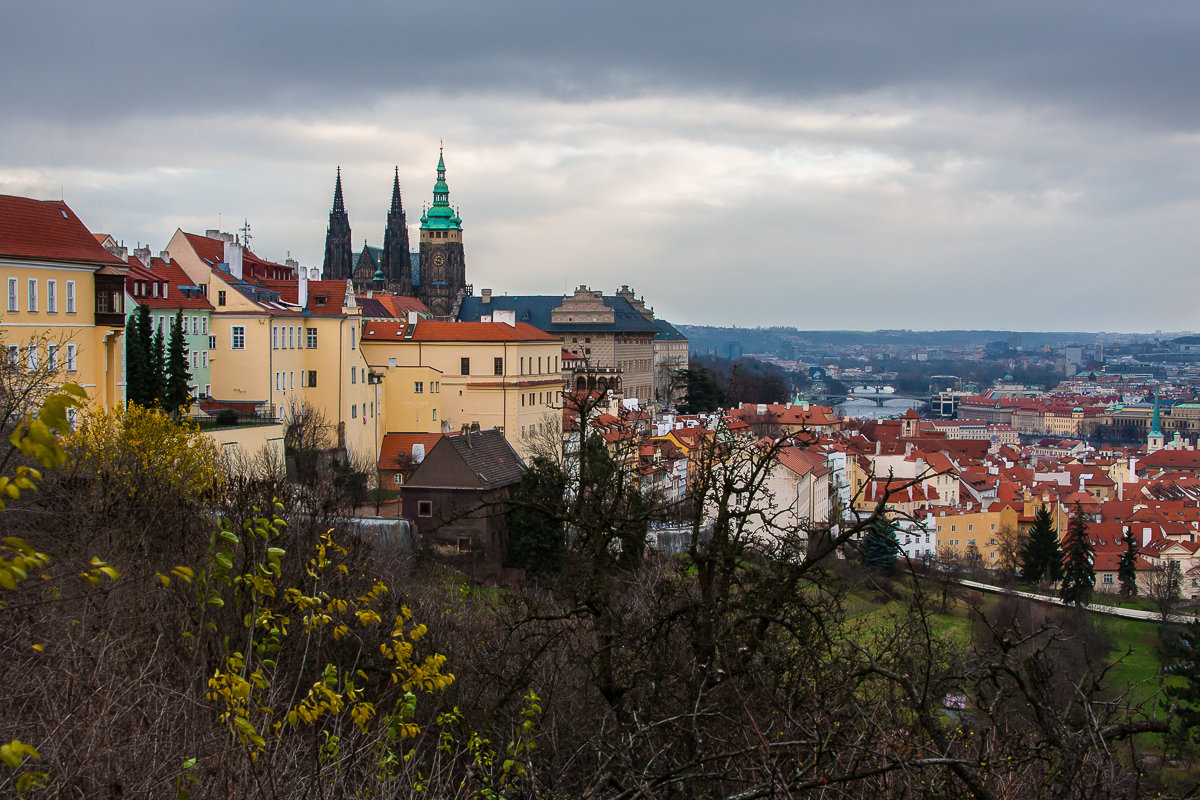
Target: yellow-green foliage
[
  {"x": 247, "y": 688},
  {"x": 35, "y": 438},
  {"x": 139, "y": 455}
]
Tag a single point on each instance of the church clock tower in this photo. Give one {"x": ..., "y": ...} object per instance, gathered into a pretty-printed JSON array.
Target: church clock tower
[
  {"x": 443, "y": 273},
  {"x": 337, "y": 264}
]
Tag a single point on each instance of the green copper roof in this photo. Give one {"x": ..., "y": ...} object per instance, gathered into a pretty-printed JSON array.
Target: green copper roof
[
  {"x": 440, "y": 216},
  {"x": 1156, "y": 420}
]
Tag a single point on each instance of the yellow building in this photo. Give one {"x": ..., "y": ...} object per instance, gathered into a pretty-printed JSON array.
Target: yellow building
[
  {"x": 64, "y": 313},
  {"x": 961, "y": 532},
  {"x": 282, "y": 341},
  {"x": 438, "y": 376}
]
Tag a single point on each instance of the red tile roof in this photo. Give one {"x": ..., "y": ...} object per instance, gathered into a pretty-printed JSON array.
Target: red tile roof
[
  {"x": 47, "y": 230},
  {"x": 395, "y": 452},
  {"x": 433, "y": 331}
]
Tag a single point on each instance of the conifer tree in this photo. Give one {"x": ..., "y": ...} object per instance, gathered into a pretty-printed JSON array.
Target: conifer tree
[
  {"x": 139, "y": 384},
  {"x": 178, "y": 377},
  {"x": 1183, "y": 661},
  {"x": 881, "y": 549},
  {"x": 158, "y": 369},
  {"x": 1079, "y": 577},
  {"x": 1041, "y": 557},
  {"x": 1127, "y": 569}
]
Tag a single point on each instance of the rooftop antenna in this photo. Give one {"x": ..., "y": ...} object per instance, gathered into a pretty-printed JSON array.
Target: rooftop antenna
[{"x": 245, "y": 229}]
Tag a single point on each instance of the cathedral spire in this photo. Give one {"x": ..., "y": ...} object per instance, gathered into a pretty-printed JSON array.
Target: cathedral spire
[
  {"x": 339, "y": 205},
  {"x": 337, "y": 237},
  {"x": 396, "y": 263},
  {"x": 397, "y": 206}
]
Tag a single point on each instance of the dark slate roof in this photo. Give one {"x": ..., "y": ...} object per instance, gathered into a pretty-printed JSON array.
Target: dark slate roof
[
  {"x": 370, "y": 307},
  {"x": 374, "y": 253},
  {"x": 668, "y": 332},
  {"x": 485, "y": 453},
  {"x": 490, "y": 456},
  {"x": 535, "y": 309},
  {"x": 415, "y": 260}
]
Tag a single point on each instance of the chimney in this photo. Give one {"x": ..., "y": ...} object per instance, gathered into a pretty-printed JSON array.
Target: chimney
[
  {"x": 302, "y": 285},
  {"x": 233, "y": 257},
  {"x": 907, "y": 449},
  {"x": 142, "y": 254},
  {"x": 291, "y": 262},
  {"x": 412, "y": 318},
  {"x": 485, "y": 296},
  {"x": 212, "y": 233}
]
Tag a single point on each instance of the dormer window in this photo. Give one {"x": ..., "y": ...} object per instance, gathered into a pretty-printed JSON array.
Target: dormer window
[
  {"x": 155, "y": 290},
  {"x": 321, "y": 299}
]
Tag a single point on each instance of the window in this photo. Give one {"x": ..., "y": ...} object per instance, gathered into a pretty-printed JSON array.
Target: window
[
  {"x": 312, "y": 338},
  {"x": 1108, "y": 577},
  {"x": 971, "y": 527},
  {"x": 354, "y": 411},
  {"x": 204, "y": 359},
  {"x": 274, "y": 337},
  {"x": 207, "y": 388},
  {"x": 354, "y": 374},
  {"x": 14, "y": 355},
  {"x": 522, "y": 399},
  {"x": 464, "y": 366},
  {"x": 435, "y": 420},
  {"x": 237, "y": 337},
  {"x": 204, "y": 326},
  {"x": 291, "y": 380},
  {"x": 212, "y": 343},
  {"x": 51, "y": 297},
  {"x": 539, "y": 365},
  {"x": 418, "y": 387},
  {"x": 437, "y": 386},
  {"x": 70, "y": 358},
  {"x": 33, "y": 356},
  {"x": 70, "y": 297},
  {"x": 12, "y": 294},
  {"x": 498, "y": 365},
  {"x": 195, "y": 361},
  {"x": 424, "y": 508},
  {"x": 353, "y": 341},
  {"x": 312, "y": 377},
  {"x": 291, "y": 337},
  {"x": 33, "y": 294},
  {"x": 970, "y": 542},
  {"x": 221, "y": 297}
]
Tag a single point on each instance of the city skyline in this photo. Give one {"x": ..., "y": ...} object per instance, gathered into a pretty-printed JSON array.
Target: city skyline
[{"x": 868, "y": 166}]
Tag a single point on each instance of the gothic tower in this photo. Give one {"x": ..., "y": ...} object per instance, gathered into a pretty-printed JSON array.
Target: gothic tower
[
  {"x": 395, "y": 261},
  {"x": 443, "y": 271},
  {"x": 337, "y": 238}
]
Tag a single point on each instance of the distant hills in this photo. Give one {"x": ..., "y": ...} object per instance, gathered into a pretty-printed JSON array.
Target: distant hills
[{"x": 707, "y": 338}]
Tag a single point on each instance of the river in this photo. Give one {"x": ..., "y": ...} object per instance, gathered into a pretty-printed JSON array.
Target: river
[{"x": 867, "y": 409}]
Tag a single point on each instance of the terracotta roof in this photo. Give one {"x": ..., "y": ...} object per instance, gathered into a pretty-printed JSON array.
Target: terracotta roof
[
  {"x": 47, "y": 230},
  {"x": 433, "y": 331},
  {"x": 398, "y": 306},
  {"x": 398, "y": 445},
  {"x": 802, "y": 462}
]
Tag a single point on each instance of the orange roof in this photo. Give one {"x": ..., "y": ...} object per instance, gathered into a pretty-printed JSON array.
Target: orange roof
[
  {"x": 398, "y": 305},
  {"x": 396, "y": 449},
  {"x": 432, "y": 331},
  {"x": 47, "y": 230}
]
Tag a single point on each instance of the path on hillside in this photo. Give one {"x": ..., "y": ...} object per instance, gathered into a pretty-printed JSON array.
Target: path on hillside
[{"x": 1116, "y": 611}]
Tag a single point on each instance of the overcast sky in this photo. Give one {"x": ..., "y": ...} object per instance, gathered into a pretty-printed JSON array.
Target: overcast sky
[{"x": 1018, "y": 164}]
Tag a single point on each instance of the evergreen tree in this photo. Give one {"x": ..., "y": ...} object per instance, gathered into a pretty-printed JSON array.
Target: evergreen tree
[
  {"x": 1041, "y": 557},
  {"x": 136, "y": 355},
  {"x": 881, "y": 549},
  {"x": 1183, "y": 658},
  {"x": 178, "y": 377},
  {"x": 1079, "y": 576},
  {"x": 535, "y": 516},
  {"x": 1127, "y": 570},
  {"x": 158, "y": 369},
  {"x": 703, "y": 393}
]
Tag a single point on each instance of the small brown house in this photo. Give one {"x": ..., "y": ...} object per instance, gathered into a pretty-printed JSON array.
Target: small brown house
[{"x": 456, "y": 497}]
